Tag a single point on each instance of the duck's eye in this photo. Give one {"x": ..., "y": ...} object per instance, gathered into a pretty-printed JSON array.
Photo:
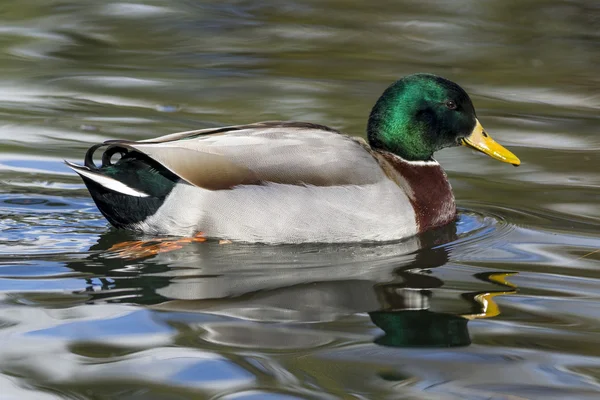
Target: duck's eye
[{"x": 451, "y": 105}]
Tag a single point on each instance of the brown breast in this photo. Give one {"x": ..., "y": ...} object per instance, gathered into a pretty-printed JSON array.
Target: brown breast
[{"x": 427, "y": 187}]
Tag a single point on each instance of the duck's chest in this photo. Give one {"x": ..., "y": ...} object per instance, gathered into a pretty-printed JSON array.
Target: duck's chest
[{"x": 427, "y": 187}]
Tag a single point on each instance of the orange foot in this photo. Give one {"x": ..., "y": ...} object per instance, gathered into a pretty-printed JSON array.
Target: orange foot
[{"x": 145, "y": 248}]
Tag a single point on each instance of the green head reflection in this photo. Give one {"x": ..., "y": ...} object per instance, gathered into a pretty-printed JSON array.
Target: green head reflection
[
  {"x": 406, "y": 315},
  {"x": 421, "y": 328}
]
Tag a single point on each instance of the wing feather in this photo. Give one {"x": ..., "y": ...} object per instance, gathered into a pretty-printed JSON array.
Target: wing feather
[{"x": 280, "y": 152}]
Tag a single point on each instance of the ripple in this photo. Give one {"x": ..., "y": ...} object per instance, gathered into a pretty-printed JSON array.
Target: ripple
[
  {"x": 263, "y": 337},
  {"x": 261, "y": 395},
  {"x": 38, "y": 165},
  {"x": 117, "y": 81},
  {"x": 135, "y": 10},
  {"x": 475, "y": 228},
  {"x": 62, "y": 225},
  {"x": 546, "y": 96}
]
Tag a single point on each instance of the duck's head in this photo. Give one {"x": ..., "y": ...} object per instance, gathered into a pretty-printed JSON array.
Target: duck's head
[{"x": 423, "y": 113}]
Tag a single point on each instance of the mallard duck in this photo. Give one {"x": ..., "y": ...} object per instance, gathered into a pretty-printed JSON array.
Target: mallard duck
[{"x": 293, "y": 182}]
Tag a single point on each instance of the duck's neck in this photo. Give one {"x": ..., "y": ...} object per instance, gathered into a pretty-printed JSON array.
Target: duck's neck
[{"x": 427, "y": 187}]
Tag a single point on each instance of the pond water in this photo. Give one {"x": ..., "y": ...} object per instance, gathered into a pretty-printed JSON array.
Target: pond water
[{"x": 503, "y": 304}]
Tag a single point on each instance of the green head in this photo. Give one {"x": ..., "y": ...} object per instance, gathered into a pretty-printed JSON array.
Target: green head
[{"x": 420, "y": 114}]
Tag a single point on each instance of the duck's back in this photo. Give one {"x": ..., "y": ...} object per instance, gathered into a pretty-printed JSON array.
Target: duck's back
[{"x": 277, "y": 152}]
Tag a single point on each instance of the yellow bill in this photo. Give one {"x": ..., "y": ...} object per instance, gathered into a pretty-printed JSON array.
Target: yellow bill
[{"x": 481, "y": 141}]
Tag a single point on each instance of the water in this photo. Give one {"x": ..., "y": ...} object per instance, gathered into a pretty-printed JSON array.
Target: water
[{"x": 503, "y": 304}]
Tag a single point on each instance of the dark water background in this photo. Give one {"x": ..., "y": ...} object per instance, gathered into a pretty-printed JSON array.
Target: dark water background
[{"x": 502, "y": 305}]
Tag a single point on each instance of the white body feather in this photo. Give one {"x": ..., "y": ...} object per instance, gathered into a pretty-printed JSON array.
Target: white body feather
[{"x": 278, "y": 213}]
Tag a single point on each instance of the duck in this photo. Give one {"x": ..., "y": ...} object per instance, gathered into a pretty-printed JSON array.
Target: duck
[{"x": 296, "y": 182}]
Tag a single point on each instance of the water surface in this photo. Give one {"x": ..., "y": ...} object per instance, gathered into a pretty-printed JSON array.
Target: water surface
[{"x": 502, "y": 304}]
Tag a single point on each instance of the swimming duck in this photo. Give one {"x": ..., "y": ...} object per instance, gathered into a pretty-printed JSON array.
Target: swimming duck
[{"x": 293, "y": 182}]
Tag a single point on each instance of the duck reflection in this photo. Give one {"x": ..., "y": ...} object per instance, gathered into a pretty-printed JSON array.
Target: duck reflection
[
  {"x": 407, "y": 318},
  {"x": 394, "y": 284}
]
